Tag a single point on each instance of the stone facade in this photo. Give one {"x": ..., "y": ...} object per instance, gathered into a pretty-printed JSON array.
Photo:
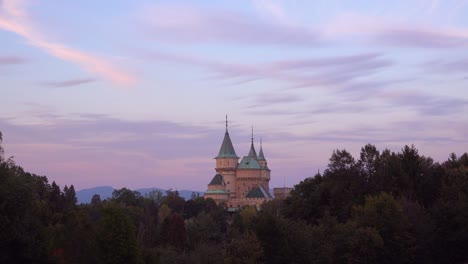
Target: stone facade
[
  {"x": 282, "y": 193},
  {"x": 243, "y": 183}
]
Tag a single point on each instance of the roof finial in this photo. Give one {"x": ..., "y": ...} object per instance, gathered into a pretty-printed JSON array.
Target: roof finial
[
  {"x": 226, "y": 123},
  {"x": 252, "y": 134},
  {"x": 260, "y": 142}
]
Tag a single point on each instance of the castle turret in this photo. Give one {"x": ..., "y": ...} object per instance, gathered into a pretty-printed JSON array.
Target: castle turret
[
  {"x": 226, "y": 162},
  {"x": 227, "y": 157},
  {"x": 261, "y": 157},
  {"x": 252, "y": 152}
]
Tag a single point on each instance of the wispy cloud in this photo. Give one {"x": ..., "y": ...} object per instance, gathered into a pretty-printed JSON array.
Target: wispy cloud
[
  {"x": 445, "y": 66},
  {"x": 185, "y": 24},
  {"x": 424, "y": 103},
  {"x": 274, "y": 9},
  {"x": 296, "y": 73},
  {"x": 400, "y": 132},
  {"x": 68, "y": 83},
  {"x": 14, "y": 17},
  {"x": 383, "y": 31},
  {"x": 9, "y": 60},
  {"x": 421, "y": 37},
  {"x": 272, "y": 99}
]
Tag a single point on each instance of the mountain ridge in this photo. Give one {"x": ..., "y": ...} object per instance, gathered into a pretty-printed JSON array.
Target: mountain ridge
[{"x": 84, "y": 195}]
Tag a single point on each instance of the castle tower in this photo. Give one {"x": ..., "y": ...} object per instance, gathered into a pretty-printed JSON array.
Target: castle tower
[{"x": 226, "y": 163}]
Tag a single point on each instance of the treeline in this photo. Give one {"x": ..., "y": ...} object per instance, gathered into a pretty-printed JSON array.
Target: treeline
[{"x": 384, "y": 207}]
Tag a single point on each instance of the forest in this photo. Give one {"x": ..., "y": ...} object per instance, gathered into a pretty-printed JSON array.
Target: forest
[{"x": 382, "y": 207}]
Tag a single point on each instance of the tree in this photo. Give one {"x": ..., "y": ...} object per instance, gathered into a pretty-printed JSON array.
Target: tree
[
  {"x": 194, "y": 195},
  {"x": 246, "y": 250},
  {"x": 450, "y": 215},
  {"x": 203, "y": 229},
  {"x": 127, "y": 197},
  {"x": 369, "y": 161},
  {"x": 385, "y": 214},
  {"x": 365, "y": 245},
  {"x": 96, "y": 200},
  {"x": 340, "y": 160},
  {"x": 176, "y": 231},
  {"x": 116, "y": 237},
  {"x": 308, "y": 200},
  {"x": 1, "y": 148},
  {"x": 156, "y": 196},
  {"x": 174, "y": 201},
  {"x": 69, "y": 197}
]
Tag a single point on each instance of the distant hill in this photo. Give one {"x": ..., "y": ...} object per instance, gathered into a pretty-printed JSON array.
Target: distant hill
[{"x": 85, "y": 195}]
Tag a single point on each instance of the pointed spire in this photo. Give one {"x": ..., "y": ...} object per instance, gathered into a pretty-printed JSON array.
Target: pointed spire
[
  {"x": 227, "y": 149},
  {"x": 260, "y": 154},
  {"x": 252, "y": 152},
  {"x": 252, "y": 135}
]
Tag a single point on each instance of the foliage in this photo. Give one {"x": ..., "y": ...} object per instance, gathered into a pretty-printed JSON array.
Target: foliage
[{"x": 384, "y": 207}]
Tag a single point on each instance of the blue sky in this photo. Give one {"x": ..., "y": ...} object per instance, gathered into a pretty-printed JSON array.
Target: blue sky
[{"x": 134, "y": 93}]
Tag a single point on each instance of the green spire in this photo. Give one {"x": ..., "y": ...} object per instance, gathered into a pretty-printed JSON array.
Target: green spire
[
  {"x": 227, "y": 149},
  {"x": 252, "y": 152},
  {"x": 260, "y": 154}
]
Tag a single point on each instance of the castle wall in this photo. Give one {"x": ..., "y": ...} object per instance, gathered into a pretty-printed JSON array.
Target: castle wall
[
  {"x": 217, "y": 197},
  {"x": 248, "y": 179},
  {"x": 230, "y": 179},
  {"x": 227, "y": 168},
  {"x": 226, "y": 163},
  {"x": 216, "y": 187},
  {"x": 240, "y": 202}
]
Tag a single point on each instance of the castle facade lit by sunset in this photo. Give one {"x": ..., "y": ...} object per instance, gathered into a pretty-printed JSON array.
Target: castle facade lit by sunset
[{"x": 244, "y": 183}]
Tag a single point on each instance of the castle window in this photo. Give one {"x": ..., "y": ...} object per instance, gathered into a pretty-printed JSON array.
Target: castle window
[{"x": 228, "y": 182}]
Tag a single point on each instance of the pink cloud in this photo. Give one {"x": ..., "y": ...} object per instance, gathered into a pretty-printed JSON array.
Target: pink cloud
[{"x": 14, "y": 17}]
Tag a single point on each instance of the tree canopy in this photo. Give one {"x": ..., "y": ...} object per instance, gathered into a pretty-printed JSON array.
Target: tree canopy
[{"x": 383, "y": 207}]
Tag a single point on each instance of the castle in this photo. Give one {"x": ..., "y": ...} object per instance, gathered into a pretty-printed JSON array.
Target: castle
[{"x": 243, "y": 183}]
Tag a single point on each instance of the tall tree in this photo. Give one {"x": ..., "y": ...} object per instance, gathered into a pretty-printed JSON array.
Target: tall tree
[
  {"x": 116, "y": 237},
  {"x": 385, "y": 214}
]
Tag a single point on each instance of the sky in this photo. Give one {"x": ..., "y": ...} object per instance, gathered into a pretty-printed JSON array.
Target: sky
[{"x": 135, "y": 93}]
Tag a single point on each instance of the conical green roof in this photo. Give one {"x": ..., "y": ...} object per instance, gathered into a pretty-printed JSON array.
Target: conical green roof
[
  {"x": 227, "y": 150},
  {"x": 260, "y": 154},
  {"x": 252, "y": 152}
]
